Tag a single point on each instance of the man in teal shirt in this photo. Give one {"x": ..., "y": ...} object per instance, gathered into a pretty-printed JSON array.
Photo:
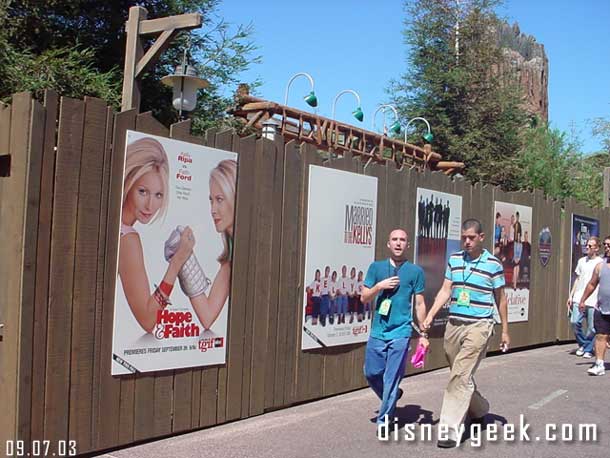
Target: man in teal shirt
[{"x": 394, "y": 281}]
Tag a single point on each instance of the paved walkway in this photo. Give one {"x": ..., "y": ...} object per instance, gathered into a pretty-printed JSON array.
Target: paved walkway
[{"x": 544, "y": 385}]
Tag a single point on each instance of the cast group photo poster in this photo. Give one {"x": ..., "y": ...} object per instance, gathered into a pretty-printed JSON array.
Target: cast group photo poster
[
  {"x": 175, "y": 252},
  {"x": 512, "y": 245},
  {"x": 438, "y": 223},
  {"x": 583, "y": 227},
  {"x": 341, "y": 230}
]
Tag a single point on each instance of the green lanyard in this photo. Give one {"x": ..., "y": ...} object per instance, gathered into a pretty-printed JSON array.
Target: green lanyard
[{"x": 464, "y": 280}]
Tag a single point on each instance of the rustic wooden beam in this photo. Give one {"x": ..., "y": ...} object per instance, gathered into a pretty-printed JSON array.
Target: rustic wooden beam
[
  {"x": 136, "y": 61},
  {"x": 183, "y": 22}
]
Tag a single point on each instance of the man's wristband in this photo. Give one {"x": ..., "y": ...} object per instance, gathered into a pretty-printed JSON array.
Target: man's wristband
[{"x": 424, "y": 335}]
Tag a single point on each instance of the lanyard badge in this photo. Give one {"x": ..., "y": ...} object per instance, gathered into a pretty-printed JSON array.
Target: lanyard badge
[
  {"x": 463, "y": 295},
  {"x": 384, "y": 307}
]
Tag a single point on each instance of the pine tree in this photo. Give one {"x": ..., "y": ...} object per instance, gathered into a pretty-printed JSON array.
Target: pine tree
[{"x": 453, "y": 79}]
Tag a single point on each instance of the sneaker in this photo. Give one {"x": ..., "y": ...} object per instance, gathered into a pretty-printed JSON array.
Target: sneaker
[
  {"x": 446, "y": 443},
  {"x": 587, "y": 355},
  {"x": 580, "y": 351},
  {"x": 596, "y": 370}
]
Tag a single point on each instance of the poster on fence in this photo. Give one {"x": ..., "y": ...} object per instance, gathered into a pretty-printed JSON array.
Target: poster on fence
[
  {"x": 512, "y": 245},
  {"x": 438, "y": 228},
  {"x": 583, "y": 227},
  {"x": 341, "y": 230},
  {"x": 174, "y": 259}
]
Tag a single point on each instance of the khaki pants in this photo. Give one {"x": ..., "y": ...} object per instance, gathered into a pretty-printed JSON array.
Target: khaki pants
[{"x": 465, "y": 348}]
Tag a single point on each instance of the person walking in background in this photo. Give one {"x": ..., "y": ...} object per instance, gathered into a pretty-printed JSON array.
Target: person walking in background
[
  {"x": 584, "y": 272},
  {"x": 600, "y": 282}
]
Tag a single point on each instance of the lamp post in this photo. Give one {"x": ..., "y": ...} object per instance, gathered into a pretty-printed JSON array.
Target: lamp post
[
  {"x": 185, "y": 84},
  {"x": 357, "y": 113},
  {"x": 310, "y": 98},
  {"x": 427, "y": 136},
  {"x": 270, "y": 127},
  {"x": 395, "y": 126}
]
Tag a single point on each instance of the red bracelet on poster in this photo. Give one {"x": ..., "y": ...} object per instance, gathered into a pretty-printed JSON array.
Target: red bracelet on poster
[{"x": 166, "y": 288}]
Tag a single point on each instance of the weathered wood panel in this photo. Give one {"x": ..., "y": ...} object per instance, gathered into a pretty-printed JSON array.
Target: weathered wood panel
[
  {"x": 63, "y": 258},
  {"x": 12, "y": 215},
  {"x": 86, "y": 265},
  {"x": 43, "y": 253}
]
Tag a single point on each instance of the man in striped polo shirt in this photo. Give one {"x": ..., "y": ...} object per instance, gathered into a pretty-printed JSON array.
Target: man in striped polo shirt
[{"x": 474, "y": 281}]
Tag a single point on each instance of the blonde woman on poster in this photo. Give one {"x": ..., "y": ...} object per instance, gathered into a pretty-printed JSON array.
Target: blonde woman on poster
[
  {"x": 223, "y": 180},
  {"x": 145, "y": 198}
]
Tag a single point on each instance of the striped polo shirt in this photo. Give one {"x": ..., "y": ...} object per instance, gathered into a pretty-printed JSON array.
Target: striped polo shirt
[{"x": 479, "y": 277}]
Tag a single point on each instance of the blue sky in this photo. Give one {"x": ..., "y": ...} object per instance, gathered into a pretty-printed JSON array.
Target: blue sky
[{"x": 358, "y": 45}]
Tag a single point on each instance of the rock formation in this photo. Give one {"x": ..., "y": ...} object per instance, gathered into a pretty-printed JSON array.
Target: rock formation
[{"x": 526, "y": 61}]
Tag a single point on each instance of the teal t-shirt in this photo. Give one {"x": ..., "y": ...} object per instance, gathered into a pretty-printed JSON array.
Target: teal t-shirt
[{"x": 397, "y": 324}]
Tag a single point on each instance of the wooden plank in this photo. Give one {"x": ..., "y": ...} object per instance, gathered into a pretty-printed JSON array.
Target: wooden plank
[
  {"x": 12, "y": 215},
  {"x": 313, "y": 378},
  {"x": 262, "y": 277},
  {"x": 26, "y": 348},
  {"x": 182, "y": 21},
  {"x": 43, "y": 250},
  {"x": 65, "y": 201},
  {"x": 334, "y": 357},
  {"x": 163, "y": 403},
  {"x": 182, "y": 131},
  {"x": 209, "y": 375},
  {"x": 86, "y": 264},
  {"x": 225, "y": 140},
  {"x": 275, "y": 354},
  {"x": 98, "y": 355},
  {"x": 5, "y": 135},
  {"x": 146, "y": 394},
  {"x": 134, "y": 51},
  {"x": 186, "y": 398},
  {"x": 244, "y": 209},
  {"x": 291, "y": 316},
  {"x": 251, "y": 282},
  {"x": 108, "y": 419}
]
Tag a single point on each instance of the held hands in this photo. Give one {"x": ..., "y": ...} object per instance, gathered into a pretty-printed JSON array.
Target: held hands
[
  {"x": 427, "y": 323},
  {"x": 424, "y": 342},
  {"x": 185, "y": 246},
  {"x": 505, "y": 342},
  {"x": 179, "y": 253},
  {"x": 389, "y": 283}
]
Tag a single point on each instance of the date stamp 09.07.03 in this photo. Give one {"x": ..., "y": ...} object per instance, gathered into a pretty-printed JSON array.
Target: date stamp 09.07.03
[{"x": 42, "y": 448}]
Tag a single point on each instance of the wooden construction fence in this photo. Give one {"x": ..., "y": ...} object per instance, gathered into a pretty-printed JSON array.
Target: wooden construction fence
[{"x": 60, "y": 188}]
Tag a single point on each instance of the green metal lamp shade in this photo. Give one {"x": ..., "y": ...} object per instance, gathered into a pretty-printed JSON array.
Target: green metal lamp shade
[
  {"x": 311, "y": 99},
  {"x": 358, "y": 114},
  {"x": 395, "y": 127},
  {"x": 428, "y": 137}
]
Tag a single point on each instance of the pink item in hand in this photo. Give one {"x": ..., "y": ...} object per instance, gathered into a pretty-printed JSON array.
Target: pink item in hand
[{"x": 418, "y": 358}]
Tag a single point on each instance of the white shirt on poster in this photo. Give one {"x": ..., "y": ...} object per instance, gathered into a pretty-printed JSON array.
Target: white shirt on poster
[{"x": 325, "y": 285}]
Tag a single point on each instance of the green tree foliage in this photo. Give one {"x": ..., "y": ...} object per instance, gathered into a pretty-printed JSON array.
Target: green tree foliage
[
  {"x": 453, "y": 81},
  {"x": 93, "y": 33},
  {"x": 548, "y": 160},
  {"x": 601, "y": 129}
]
